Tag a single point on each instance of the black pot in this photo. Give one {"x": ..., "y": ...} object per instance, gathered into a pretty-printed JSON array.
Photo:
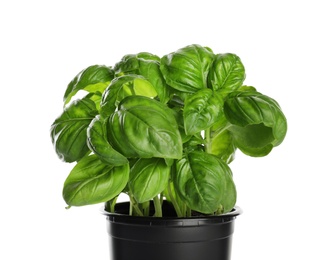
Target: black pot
[{"x": 170, "y": 237}]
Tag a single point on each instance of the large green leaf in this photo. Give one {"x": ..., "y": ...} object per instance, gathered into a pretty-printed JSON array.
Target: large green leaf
[
  {"x": 92, "y": 79},
  {"x": 201, "y": 111},
  {"x": 258, "y": 123},
  {"x": 187, "y": 68},
  {"x": 98, "y": 143},
  {"x": 143, "y": 127},
  {"x": 204, "y": 182},
  {"x": 124, "y": 86},
  {"x": 148, "y": 178},
  {"x": 92, "y": 181},
  {"x": 68, "y": 132},
  {"x": 227, "y": 73}
]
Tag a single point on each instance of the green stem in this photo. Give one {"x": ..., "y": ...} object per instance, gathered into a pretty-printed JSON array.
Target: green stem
[
  {"x": 145, "y": 206},
  {"x": 174, "y": 202},
  {"x": 188, "y": 212},
  {"x": 208, "y": 143},
  {"x": 110, "y": 205},
  {"x": 135, "y": 206},
  {"x": 157, "y": 206}
]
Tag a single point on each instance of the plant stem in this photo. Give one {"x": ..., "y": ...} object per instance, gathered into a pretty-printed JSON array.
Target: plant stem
[
  {"x": 174, "y": 202},
  {"x": 135, "y": 206},
  {"x": 208, "y": 143},
  {"x": 157, "y": 206},
  {"x": 146, "y": 208},
  {"x": 110, "y": 205}
]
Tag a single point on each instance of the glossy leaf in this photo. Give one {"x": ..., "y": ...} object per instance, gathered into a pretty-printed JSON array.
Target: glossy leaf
[
  {"x": 187, "y": 69},
  {"x": 204, "y": 182},
  {"x": 143, "y": 127},
  {"x": 227, "y": 72},
  {"x": 147, "y": 65},
  {"x": 69, "y": 130},
  {"x": 150, "y": 69},
  {"x": 258, "y": 123},
  {"x": 92, "y": 79},
  {"x": 92, "y": 181},
  {"x": 222, "y": 145},
  {"x": 129, "y": 64},
  {"x": 201, "y": 111},
  {"x": 148, "y": 178},
  {"x": 99, "y": 145},
  {"x": 124, "y": 86}
]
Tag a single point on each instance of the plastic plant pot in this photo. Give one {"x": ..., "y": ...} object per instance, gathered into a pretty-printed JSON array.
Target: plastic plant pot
[{"x": 170, "y": 237}]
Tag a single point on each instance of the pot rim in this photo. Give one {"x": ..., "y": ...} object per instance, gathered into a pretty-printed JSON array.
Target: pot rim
[{"x": 171, "y": 220}]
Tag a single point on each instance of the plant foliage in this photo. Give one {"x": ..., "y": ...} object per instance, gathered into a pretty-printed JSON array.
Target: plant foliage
[{"x": 163, "y": 128}]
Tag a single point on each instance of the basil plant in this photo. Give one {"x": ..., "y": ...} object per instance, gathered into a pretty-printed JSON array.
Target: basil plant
[{"x": 162, "y": 129}]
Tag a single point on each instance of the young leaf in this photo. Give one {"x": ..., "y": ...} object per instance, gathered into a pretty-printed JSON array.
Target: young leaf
[
  {"x": 204, "y": 182},
  {"x": 187, "y": 69},
  {"x": 201, "y": 111},
  {"x": 148, "y": 178},
  {"x": 150, "y": 69},
  {"x": 124, "y": 86},
  {"x": 227, "y": 73},
  {"x": 92, "y": 79},
  {"x": 146, "y": 128},
  {"x": 68, "y": 132},
  {"x": 98, "y": 143},
  {"x": 92, "y": 181},
  {"x": 258, "y": 123}
]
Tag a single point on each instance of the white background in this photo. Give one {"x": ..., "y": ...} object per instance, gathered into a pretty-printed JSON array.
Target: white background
[{"x": 285, "y": 47}]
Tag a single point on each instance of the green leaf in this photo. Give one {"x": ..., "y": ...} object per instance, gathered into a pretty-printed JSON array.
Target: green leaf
[
  {"x": 92, "y": 181},
  {"x": 92, "y": 79},
  {"x": 222, "y": 145},
  {"x": 201, "y": 111},
  {"x": 227, "y": 73},
  {"x": 129, "y": 64},
  {"x": 124, "y": 86},
  {"x": 68, "y": 132},
  {"x": 148, "y": 178},
  {"x": 143, "y": 127},
  {"x": 187, "y": 69},
  {"x": 98, "y": 143},
  {"x": 204, "y": 182},
  {"x": 148, "y": 66},
  {"x": 258, "y": 123},
  {"x": 150, "y": 69}
]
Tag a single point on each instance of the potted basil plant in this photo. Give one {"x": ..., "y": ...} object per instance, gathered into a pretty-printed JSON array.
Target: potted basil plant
[{"x": 164, "y": 131}]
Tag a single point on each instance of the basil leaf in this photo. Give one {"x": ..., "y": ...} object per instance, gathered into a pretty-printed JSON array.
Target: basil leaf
[
  {"x": 124, "y": 86},
  {"x": 68, "y": 132},
  {"x": 227, "y": 73},
  {"x": 187, "y": 69},
  {"x": 201, "y": 111},
  {"x": 148, "y": 56},
  {"x": 92, "y": 181},
  {"x": 92, "y": 79},
  {"x": 148, "y": 178},
  {"x": 150, "y": 69},
  {"x": 258, "y": 123},
  {"x": 148, "y": 66},
  {"x": 222, "y": 145},
  {"x": 204, "y": 183},
  {"x": 143, "y": 127},
  {"x": 129, "y": 64},
  {"x": 98, "y": 143}
]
